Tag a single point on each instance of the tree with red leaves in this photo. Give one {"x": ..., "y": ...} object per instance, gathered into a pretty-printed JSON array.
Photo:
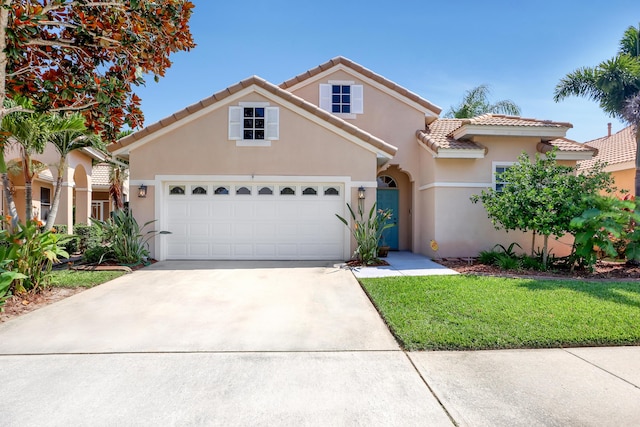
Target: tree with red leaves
[{"x": 86, "y": 56}]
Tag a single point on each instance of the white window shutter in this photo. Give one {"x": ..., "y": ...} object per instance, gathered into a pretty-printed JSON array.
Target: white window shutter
[
  {"x": 357, "y": 99},
  {"x": 325, "y": 97},
  {"x": 235, "y": 123},
  {"x": 272, "y": 119}
]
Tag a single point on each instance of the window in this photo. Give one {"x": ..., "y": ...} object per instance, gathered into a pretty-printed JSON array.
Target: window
[
  {"x": 342, "y": 98},
  {"x": 287, "y": 191},
  {"x": 199, "y": 190},
  {"x": 331, "y": 191},
  {"x": 386, "y": 181},
  {"x": 221, "y": 191},
  {"x": 45, "y": 203},
  {"x": 176, "y": 189},
  {"x": 243, "y": 191},
  {"x": 254, "y": 122},
  {"x": 498, "y": 181},
  {"x": 265, "y": 191},
  {"x": 310, "y": 191}
]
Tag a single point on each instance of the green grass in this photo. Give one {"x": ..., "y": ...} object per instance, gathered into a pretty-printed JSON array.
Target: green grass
[
  {"x": 474, "y": 312},
  {"x": 82, "y": 279}
]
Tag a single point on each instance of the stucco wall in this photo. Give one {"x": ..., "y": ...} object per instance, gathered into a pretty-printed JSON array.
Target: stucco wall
[
  {"x": 461, "y": 228},
  {"x": 201, "y": 148}
]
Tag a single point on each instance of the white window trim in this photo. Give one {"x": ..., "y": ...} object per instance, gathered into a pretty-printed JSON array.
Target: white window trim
[
  {"x": 494, "y": 166},
  {"x": 236, "y": 125},
  {"x": 357, "y": 107}
]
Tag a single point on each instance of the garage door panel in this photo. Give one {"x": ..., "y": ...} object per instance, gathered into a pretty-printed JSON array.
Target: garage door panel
[{"x": 255, "y": 226}]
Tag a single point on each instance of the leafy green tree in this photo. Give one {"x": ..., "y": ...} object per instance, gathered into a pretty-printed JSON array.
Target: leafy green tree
[
  {"x": 541, "y": 196},
  {"x": 613, "y": 84},
  {"x": 67, "y": 133},
  {"x": 475, "y": 102},
  {"x": 88, "y": 56}
]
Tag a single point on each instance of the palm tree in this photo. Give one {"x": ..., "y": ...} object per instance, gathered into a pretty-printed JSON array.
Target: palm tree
[
  {"x": 475, "y": 102},
  {"x": 67, "y": 133},
  {"x": 613, "y": 84},
  {"x": 30, "y": 132}
]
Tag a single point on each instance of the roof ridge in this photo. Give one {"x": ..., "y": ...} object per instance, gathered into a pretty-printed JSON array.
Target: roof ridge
[
  {"x": 367, "y": 73},
  {"x": 270, "y": 87}
]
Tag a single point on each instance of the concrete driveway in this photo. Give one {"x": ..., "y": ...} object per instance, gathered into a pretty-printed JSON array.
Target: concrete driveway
[
  {"x": 212, "y": 343},
  {"x": 246, "y": 343}
]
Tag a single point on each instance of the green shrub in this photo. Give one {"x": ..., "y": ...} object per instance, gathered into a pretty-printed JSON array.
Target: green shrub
[
  {"x": 368, "y": 232},
  {"x": 608, "y": 225},
  {"x": 488, "y": 257},
  {"x": 97, "y": 254},
  {"x": 8, "y": 256},
  {"x": 89, "y": 235},
  {"x": 72, "y": 245},
  {"x": 532, "y": 263},
  {"x": 33, "y": 252},
  {"x": 506, "y": 262},
  {"x": 127, "y": 241}
]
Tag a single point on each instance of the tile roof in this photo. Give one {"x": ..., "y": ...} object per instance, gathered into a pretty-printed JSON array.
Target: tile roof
[
  {"x": 439, "y": 134},
  {"x": 504, "y": 120},
  {"x": 100, "y": 175},
  {"x": 255, "y": 80},
  {"x": 365, "y": 72},
  {"x": 564, "y": 144},
  {"x": 617, "y": 148}
]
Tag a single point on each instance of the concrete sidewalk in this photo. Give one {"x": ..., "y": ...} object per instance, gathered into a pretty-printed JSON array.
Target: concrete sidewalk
[
  {"x": 235, "y": 344},
  {"x": 404, "y": 263}
]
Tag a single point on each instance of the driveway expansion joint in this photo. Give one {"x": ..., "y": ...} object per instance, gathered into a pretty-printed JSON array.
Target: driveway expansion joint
[
  {"x": 602, "y": 369},
  {"x": 433, "y": 393}
]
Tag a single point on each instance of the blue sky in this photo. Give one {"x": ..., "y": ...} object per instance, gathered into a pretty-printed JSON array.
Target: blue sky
[{"x": 435, "y": 49}]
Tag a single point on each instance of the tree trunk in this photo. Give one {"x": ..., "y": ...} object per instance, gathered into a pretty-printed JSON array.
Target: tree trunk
[
  {"x": 637, "y": 160},
  {"x": 11, "y": 204},
  {"x": 533, "y": 243},
  {"x": 56, "y": 196},
  {"x": 28, "y": 187},
  {"x": 545, "y": 253}
]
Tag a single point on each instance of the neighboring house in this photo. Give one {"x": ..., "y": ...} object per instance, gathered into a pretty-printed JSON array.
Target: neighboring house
[
  {"x": 85, "y": 188},
  {"x": 618, "y": 152},
  {"x": 258, "y": 170}
]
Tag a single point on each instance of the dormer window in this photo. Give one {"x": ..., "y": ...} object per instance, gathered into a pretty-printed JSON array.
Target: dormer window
[{"x": 342, "y": 98}]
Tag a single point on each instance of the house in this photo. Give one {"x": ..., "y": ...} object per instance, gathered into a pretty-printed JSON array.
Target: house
[
  {"x": 618, "y": 152},
  {"x": 259, "y": 170},
  {"x": 85, "y": 187}
]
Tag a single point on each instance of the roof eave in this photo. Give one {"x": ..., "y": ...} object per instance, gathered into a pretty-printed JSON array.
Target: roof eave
[{"x": 542, "y": 132}]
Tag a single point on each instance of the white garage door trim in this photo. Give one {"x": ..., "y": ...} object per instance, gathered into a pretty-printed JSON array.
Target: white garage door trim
[{"x": 344, "y": 184}]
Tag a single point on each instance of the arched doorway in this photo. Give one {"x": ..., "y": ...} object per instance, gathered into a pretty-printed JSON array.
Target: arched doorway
[{"x": 394, "y": 192}]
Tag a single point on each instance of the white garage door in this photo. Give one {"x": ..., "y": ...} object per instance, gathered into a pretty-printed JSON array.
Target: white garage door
[{"x": 267, "y": 221}]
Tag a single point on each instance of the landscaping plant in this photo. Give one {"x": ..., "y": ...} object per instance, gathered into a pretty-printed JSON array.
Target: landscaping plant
[
  {"x": 368, "y": 232},
  {"x": 31, "y": 252},
  {"x": 126, "y": 241},
  {"x": 542, "y": 196},
  {"x": 608, "y": 226}
]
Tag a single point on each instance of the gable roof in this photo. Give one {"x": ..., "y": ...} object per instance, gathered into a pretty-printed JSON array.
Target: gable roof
[
  {"x": 341, "y": 60},
  {"x": 451, "y": 137},
  {"x": 615, "y": 149},
  {"x": 123, "y": 145}
]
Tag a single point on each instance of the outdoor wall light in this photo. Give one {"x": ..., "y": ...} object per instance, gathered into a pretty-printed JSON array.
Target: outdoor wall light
[
  {"x": 142, "y": 191},
  {"x": 361, "y": 193}
]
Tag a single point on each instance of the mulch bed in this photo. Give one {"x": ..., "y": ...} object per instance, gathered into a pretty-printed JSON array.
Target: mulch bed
[{"x": 603, "y": 270}]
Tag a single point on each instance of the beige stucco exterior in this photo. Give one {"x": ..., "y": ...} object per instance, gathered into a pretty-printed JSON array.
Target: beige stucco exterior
[
  {"x": 76, "y": 185},
  {"x": 434, "y": 191}
]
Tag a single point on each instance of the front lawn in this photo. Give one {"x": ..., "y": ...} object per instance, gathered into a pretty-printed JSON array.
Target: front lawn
[{"x": 475, "y": 312}]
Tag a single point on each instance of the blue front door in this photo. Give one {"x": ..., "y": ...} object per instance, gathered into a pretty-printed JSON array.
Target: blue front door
[{"x": 388, "y": 199}]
